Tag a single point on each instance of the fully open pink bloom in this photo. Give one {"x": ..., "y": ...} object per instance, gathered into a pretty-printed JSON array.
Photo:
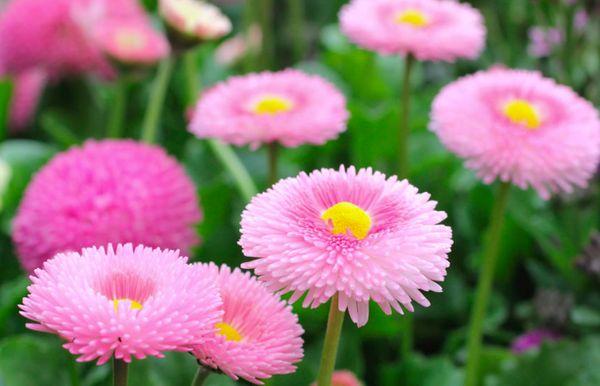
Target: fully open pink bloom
[
  {"x": 123, "y": 303},
  {"x": 520, "y": 127},
  {"x": 427, "y": 29},
  {"x": 343, "y": 378},
  {"x": 289, "y": 107},
  {"x": 106, "y": 192},
  {"x": 258, "y": 337},
  {"x": 353, "y": 233},
  {"x": 27, "y": 89}
]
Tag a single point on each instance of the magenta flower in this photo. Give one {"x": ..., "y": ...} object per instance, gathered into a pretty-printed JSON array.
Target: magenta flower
[
  {"x": 288, "y": 107},
  {"x": 353, "y": 233},
  {"x": 28, "y": 87},
  {"x": 106, "y": 192},
  {"x": 533, "y": 339},
  {"x": 258, "y": 336},
  {"x": 122, "y": 303},
  {"x": 439, "y": 30},
  {"x": 520, "y": 127}
]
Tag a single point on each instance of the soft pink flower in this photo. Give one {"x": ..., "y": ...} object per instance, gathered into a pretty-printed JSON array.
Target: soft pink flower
[
  {"x": 520, "y": 127},
  {"x": 353, "y": 233},
  {"x": 542, "y": 41},
  {"x": 258, "y": 337},
  {"x": 195, "y": 19},
  {"x": 533, "y": 339},
  {"x": 343, "y": 378},
  {"x": 132, "y": 42},
  {"x": 289, "y": 107},
  {"x": 427, "y": 29},
  {"x": 106, "y": 192},
  {"x": 581, "y": 20},
  {"x": 27, "y": 89},
  {"x": 127, "y": 303}
]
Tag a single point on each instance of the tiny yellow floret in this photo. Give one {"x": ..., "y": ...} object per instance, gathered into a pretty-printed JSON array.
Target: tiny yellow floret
[
  {"x": 271, "y": 105},
  {"x": 132, "y": 303},
  {"x": 523, "y": 113},
  {"x": 229, "y": 332},
  {"x": 345, "y": 216},
  {"x": 412, "y": 17}
]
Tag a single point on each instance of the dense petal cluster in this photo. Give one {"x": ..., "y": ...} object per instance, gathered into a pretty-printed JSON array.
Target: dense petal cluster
[
  {"x": 439, "y": 30},
  {"x": 289, "y": 107},
  {"x": 106, "y": 192},
  {"x": 353, "y": 233},
  {"x": 123, "y": 302},
  {"x": 195, "y": 19},
  {"x": 258, "y": 337},
  {"x": 520, "y": 127}
]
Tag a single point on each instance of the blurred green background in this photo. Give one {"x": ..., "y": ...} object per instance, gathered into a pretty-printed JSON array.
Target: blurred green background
[{"x": 543, "y": 278}]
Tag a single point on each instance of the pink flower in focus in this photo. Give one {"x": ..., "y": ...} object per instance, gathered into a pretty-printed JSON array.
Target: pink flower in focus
[
  {"x": 439, "y": 30},
  {"x": 127, "y": 303},
  {"x": 27, "y": 89},
  {"x": 353, "y": 233},
  {"x": 343, "y": 378},
  {"x": 106, "y": 192},
  {"x": 289, "y": 107},
  {"x": 132, "y": 43},
  {"x": 195, "y": 19},
  {"x": 258, "y": 336},
  {"x": 533, "y": 339},
  {"x": 520, "y": 127}
]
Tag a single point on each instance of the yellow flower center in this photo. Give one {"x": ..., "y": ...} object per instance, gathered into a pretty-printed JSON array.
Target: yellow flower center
[
  {"x": 130, "y": 40},
  {"x": 228, "y": 331},
  {"x": 412, "y": 17},
  {"x": 345, "y": 216},
  {"x": 272, "y": 104},
  {"x": 132, "y": 303},
  {"x": 523, "y": 113}
]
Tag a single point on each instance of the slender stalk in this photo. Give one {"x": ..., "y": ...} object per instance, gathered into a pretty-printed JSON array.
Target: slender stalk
[
  {"x": 120, "y": 370},
  {"x": 200, "y": 376},
  {"x": 118, "y": 107},
  {"x": 404, "y": 119},
  {"x": 272, "y": 154},
  {"x": 484, "y": 287},
  {"x": 297, "y": 28},
  {"x": 330, "y": 346},
  {"x": 407, "y": 332},
  {"x": 157, "y": 99},
  {"x": 6, "y": 90},
  {"x": 190, "y": 67},
  {"x": 265, "y": 16}
]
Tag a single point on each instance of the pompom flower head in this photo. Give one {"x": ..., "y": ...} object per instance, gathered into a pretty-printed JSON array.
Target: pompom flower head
[
  {"x": 258, "y": 336},
  {"x": 288, "y": 107},
  {"x": 193, "y": 20},
  {"x": 438, "y": 30},
  {"x": 106, "y": 192},
  {"x": 520, "y": 127},
  {"x": 353, "y": 233},
  {"x": 123, "y": 303}
]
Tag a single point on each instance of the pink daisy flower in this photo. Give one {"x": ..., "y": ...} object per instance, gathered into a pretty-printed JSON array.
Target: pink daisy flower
[
  {"x": 520, "y": 127},
  {"x": 123, "y": 303},
  {"x": 28, "y": 87},
  {"x": 132, "y": 42},
  {"x": 343, "y": 378},
  {"x": 289, "y": 107},
  {"x": 258, "y": 336},
  {"x": 106, "y": 192},
  {"x": 427, "y": 29},
  {"x": 194, "y": 19},
  {"x": 353, "y": 233}
]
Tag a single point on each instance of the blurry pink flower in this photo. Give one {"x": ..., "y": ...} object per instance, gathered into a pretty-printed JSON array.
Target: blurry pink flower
[
  {"x": 542, "y": 41},
  {"x": 427, "y": 29},
  {"x": 343, "y": 378},
  {"x": 533, "y": 339},
  {"x": 520, "y": 127},
  {"x": 132, "y": 43},
  {"x": 195, "y": 19},
  {"x": 353, "y": 233},
  {"x": 123, "y": 303},
  {"x": 258, "y": 336},
  {"x": 236, "y": 48},
  {"x": 580, "y": 20},
  {"x": 289, "y": 107},
  {"x": 106, "y": 192},
  {"x": 27, "y": 89}
]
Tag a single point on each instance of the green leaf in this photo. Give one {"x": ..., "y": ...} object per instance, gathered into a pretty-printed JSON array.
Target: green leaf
[{"x": 421, "y": 371}]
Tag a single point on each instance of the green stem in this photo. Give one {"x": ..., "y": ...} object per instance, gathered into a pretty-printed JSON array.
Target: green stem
[
  {"x": 265, "y": 15},
  {"x": 200, "y": 376},
  {"x": 157, "y": 100},
  {"x": 118, "y": 107},
  {"x": 404, "y": 120},
  {"x": 484, "y": 287},
  {"x": 6, "y": 90},
  {"x": 120, "y": 370},
  {"x": 407, "y": 340},
  {"x": 235, "y": 167},
  {"x": 272, "y": 150},
  {"x": 330, "y": 346},
  {"x": 190, "y": 66},
  {"x": 297, "y": 28}
]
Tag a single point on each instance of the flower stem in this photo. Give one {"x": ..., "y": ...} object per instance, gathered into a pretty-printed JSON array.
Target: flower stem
[
  {"x": 6, "y": 91},
  {"x": 201, "y": 375},
  {"x": 297, "y": 28},
  {"x": 157, "y": 99},
  {"x": 484, "y": 287},
  {"x": 404, "y": 120},
  {"x": 118, "y": 107},
  {"x": 120, "y": 370},
  {"x": 190, "y": 66},
  {"x": 330, "y": 346},
  {"x": 265, "y": 17},
  {"x": 272, "y": 151}
]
